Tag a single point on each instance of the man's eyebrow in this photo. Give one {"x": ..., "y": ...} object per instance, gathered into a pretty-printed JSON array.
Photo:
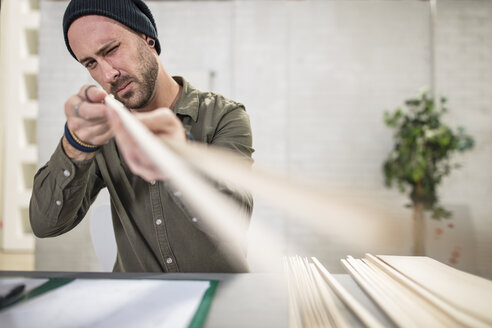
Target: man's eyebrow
[{"x": 99, "y": 52}]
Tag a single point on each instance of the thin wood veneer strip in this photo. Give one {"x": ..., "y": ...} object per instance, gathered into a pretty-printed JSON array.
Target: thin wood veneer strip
[
  {"x": 365, "y": 316},
  {"x": 395, "y": 313},
  {"x": 328, "y": 299},
  {"x": 460, "y": 318},
  {"x": 470, "y": 294},
  {"x": 308, "y": 308},
  {"x": 423, "y": 314},
  {"x": 295, "y": 320}
]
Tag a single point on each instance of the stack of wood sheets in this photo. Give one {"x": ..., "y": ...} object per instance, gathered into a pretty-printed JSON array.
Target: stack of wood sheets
[{"x": 411, "y": 291}]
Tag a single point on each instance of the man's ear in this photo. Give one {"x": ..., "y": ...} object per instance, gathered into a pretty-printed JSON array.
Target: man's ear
[{"x": 148, "y": 40}]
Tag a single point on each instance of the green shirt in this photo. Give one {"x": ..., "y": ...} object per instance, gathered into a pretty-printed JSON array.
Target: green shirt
[{"x": 154, "y": 230}]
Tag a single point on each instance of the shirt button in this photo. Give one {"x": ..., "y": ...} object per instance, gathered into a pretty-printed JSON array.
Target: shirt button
[
  {"x": 177, "y": 193},
  {"x": 152, "y": 182},
  {"x": 58, "y": 202},
  {"x": 194, "y": 219},
  {"x": 169, "y": 260},
  {"x": 158, "y": 221},
  {"x": 66, "y": 173}
]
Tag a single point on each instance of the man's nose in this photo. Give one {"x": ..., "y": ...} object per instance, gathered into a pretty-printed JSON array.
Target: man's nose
[{"x": 110, "y": 74}]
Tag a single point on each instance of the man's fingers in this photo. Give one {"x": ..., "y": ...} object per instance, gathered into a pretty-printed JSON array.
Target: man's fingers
[
  {"x": 94, "y": 113},
  {"x": 87, "y": 120},
  {"x": 92, "y": 108},
  {"x": 92, "y": 94},
  {"x": 78, "y": 107},
  {"x": 70, "y": 105}
]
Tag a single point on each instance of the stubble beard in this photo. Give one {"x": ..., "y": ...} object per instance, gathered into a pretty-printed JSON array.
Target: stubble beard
[{"x": 144, "y": 89}]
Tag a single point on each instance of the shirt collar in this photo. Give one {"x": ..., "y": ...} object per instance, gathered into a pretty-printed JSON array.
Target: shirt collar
[{"x": 188, "y": 101}]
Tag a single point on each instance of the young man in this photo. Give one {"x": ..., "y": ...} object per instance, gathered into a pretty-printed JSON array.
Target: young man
[{"x": 116, "y": 40}]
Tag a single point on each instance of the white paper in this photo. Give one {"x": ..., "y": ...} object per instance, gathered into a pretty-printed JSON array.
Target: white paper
[{"x": 111, "y": 303}]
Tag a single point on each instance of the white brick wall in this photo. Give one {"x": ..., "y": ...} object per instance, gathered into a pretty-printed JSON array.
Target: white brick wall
[
  {"x": 316, "y": 77},
  {"x": 464, "y": 66}
]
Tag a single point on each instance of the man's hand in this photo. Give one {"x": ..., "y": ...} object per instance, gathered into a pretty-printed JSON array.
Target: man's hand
[
  {"x": 87, "y": 120},
  {"x": 162, "y": 122}
]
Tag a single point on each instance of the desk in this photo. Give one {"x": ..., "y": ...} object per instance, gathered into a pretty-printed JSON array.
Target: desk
[{"x": 242, "y": 300}]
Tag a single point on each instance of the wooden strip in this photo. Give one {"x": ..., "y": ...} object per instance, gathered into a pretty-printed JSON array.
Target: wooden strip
[
  {"x": 379, "y": 284},
  {"x": 328, "y": 298},
  {"x": 311, "y": 313},
  {"x": 469, "y": 293},
  {"x": 313, "y": 299},
  {"x": 415, "y": 307},
  {"x": 300, "y": 296},
  {"x": 326, "y": 302},
  {"x": 317, "y": 206},
  {"x": 365, "y": 316},
  {"x": 392, "y": 311},
  {"x": 294, "y": 316},
  {"x": 460, "y": 318}
]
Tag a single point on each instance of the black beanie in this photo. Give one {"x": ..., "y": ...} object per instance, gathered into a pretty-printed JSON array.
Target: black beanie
[{"x": 133, "y": 13}]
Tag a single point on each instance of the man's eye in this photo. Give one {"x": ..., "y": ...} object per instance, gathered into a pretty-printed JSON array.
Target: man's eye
[{"x": 90, "y": 64}]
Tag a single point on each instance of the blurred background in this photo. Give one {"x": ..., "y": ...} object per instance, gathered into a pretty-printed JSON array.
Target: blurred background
[{"x": 316, "y": 78}]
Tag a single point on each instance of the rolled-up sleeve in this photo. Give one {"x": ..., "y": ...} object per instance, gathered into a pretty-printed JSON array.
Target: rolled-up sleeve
[{"x": 62, "y": 193}]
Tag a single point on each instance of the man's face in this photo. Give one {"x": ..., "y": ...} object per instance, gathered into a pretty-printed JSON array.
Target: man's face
[{"x": 116, "y": 57}]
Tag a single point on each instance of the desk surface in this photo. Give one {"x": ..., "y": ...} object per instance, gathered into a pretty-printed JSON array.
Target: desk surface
[{"x": 241, "y": 300}]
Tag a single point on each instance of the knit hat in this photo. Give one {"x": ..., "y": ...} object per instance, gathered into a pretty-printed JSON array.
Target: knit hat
[{"x": 133, "y": 13}]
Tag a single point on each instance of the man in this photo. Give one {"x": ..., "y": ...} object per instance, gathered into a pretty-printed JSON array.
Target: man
[{"x": 116, "y": 40}]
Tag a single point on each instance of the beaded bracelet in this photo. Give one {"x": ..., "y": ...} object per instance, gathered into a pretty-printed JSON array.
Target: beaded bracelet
[{"x": 77, "y": 143}]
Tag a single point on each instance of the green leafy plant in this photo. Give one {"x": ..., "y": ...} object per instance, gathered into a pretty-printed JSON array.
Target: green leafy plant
[
  {"x": 420, "y": 158},
  {"x": 421, "y": 154}
]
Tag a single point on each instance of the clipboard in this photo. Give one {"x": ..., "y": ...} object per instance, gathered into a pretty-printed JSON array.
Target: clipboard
[{"x": 57, "y": 297}]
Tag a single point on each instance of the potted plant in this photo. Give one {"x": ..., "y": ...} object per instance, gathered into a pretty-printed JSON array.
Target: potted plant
[{"x": 420, "y": 158}]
